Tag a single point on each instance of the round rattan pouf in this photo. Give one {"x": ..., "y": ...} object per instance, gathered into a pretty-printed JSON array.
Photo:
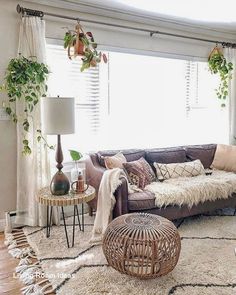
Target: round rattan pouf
[{"x": 142, "y": 245}]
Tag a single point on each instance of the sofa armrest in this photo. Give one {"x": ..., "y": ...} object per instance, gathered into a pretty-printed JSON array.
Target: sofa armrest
[
  {"x": 121, "y": 195},
  {"x": 94, "y": 173}
]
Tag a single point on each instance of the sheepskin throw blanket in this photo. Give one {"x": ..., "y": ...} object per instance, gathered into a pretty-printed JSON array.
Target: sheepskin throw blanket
[
  {"x": 111, "y": 179},
  {"x": 193, "y": 190}
]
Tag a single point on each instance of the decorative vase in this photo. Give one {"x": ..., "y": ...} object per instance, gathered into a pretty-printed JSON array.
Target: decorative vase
[{"x": 60, "y": 184}]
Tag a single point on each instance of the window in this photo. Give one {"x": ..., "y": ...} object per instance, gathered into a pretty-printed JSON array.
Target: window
[
  {"x": 206, "y": 120},
  {"x": 67, "y": 80},
  {"x": 138, "y": 101}
]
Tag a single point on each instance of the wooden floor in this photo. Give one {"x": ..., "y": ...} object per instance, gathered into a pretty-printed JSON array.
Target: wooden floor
[{"x": 8, "y": 284}]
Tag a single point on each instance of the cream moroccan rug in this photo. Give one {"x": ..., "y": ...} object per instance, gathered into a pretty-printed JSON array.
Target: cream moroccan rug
[{"x": 207, "y": 263}]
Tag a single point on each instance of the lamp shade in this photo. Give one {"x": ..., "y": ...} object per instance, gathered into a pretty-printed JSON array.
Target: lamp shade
[{"x": 58, "y": 115}]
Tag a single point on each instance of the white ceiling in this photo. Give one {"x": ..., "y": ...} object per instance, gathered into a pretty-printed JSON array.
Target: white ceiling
[{"x": 214, "y": 14}]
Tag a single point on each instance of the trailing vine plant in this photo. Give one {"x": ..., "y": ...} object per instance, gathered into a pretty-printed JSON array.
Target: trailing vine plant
[
  {"x": 219, "y": 65},
  {"x": 79, "y": 43},
  {"x": 25, "y": 80}
]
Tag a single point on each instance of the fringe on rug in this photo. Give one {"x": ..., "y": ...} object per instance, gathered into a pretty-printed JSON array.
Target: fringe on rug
[
  {"x": 29, "y": 272},
  {"x": 36, "y": 289}
]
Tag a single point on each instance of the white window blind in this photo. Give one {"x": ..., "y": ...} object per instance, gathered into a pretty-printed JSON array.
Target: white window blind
[{"x": 206, "y": 120}]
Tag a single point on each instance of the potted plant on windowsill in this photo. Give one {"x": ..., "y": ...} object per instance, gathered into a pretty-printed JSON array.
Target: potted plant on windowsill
[
  {"x": 219, "y": 65},
  {"x": 25, "y": 81},
  {"x": 79, "y": 43}
]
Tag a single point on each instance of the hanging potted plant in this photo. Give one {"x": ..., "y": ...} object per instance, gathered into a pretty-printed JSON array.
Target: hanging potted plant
[
  {"x": 79, "y": 43},
  {"x": 25, "y": 80},
  {"x": 219, "y": 65}
]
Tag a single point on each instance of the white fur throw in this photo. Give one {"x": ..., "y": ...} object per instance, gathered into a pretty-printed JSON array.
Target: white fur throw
[{"x": 193, "y": 190}]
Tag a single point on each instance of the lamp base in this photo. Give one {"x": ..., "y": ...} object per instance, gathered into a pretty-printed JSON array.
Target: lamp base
[{"x": 60, "y": 184}]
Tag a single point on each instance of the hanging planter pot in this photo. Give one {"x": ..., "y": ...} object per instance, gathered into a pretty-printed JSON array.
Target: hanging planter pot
[
  {"x": 219, "y": 65},
  {"x": 78, "y": 46},
  {"x": 73, "y": 42},
  {"x": 79, "y": 43}
]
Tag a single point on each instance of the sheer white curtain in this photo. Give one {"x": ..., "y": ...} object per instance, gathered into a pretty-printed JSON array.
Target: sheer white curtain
[
  {"x": 32, "y": 171},
  {"x": 230, "y": 54}
]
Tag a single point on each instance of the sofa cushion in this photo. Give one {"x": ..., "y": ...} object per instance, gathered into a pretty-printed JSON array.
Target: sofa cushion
[
  {"x": 141, "y": 200},
  {"x": 205, "y": 153},
  {"x": 130, "y": 155},
  {"x": 115, "y": 161},
  {"x": 166, "y": 155},
  {"x": 139, "y": 172},
  {"x": 225, "y": 158},
  {"x": 175, "y": 170}
]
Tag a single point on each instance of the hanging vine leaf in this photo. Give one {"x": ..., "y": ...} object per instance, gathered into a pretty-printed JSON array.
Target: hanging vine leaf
[
  {"x": 218, "y": 65},
  {"x": 25, "y": 80}
]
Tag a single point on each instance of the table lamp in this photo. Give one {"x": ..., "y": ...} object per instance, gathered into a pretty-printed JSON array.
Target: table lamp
[{"x": 58, "y": 118}]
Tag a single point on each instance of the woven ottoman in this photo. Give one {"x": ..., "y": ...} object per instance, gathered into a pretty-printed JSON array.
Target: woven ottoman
[{"x": 142, "y": 245}]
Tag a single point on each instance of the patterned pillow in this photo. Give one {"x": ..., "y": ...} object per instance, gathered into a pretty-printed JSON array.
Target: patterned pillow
[
  {"x": 139, "y": 172},
  {"x": 174, "y": 170},
  {"x": 115, "y": 161}
]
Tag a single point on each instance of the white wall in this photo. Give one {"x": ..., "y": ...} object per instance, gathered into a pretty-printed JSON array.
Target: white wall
[
  {"x": 8, "y": 36},
  {"x": 9, "y": 27}
]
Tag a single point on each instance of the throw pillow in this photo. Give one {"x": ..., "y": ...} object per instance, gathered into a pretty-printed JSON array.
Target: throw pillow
[
  {"x": 139, "y": 173},
  {"x": 225, "y": 158},
  {"x": 115, "y": 161},
  {"x": 174, "y": 170}
]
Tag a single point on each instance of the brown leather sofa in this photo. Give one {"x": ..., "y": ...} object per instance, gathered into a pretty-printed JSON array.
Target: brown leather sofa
[{"x": 145, "y": 201}]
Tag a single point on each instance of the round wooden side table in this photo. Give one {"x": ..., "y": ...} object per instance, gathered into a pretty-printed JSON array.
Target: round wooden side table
[{"x": 72, "y": 199}]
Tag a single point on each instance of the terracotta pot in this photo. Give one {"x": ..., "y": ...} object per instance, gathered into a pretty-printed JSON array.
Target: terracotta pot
[{"x": 79, "y": 48}]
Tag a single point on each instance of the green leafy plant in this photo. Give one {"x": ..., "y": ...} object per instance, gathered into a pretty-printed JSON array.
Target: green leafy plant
[
  {"x": 75, "y": 155},
  {"x": 218, "y": 65},
  {"x": 25, "y": 80},
  {"x": 83, "y": 45}
]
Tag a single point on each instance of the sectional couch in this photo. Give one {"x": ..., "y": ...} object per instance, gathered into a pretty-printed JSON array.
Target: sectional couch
[{"x": 145, "y": 201}]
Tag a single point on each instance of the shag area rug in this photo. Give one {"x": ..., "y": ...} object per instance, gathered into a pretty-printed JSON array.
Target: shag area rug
[{"x": 207, "y": 263}]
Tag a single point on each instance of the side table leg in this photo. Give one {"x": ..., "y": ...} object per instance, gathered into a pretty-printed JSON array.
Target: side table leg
[
  {"x": 63, "y": 215},
  {"x": 47, "y": 230},
  {"x": 78, "y": 217},
  {"x": 73, "y": 236},
  {"x": 50, "y": 221},
  {"x": 82, "y": 216}
]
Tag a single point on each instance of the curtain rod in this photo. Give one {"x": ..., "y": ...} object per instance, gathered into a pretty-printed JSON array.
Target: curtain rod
[{"x": 31, "y": 12}]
